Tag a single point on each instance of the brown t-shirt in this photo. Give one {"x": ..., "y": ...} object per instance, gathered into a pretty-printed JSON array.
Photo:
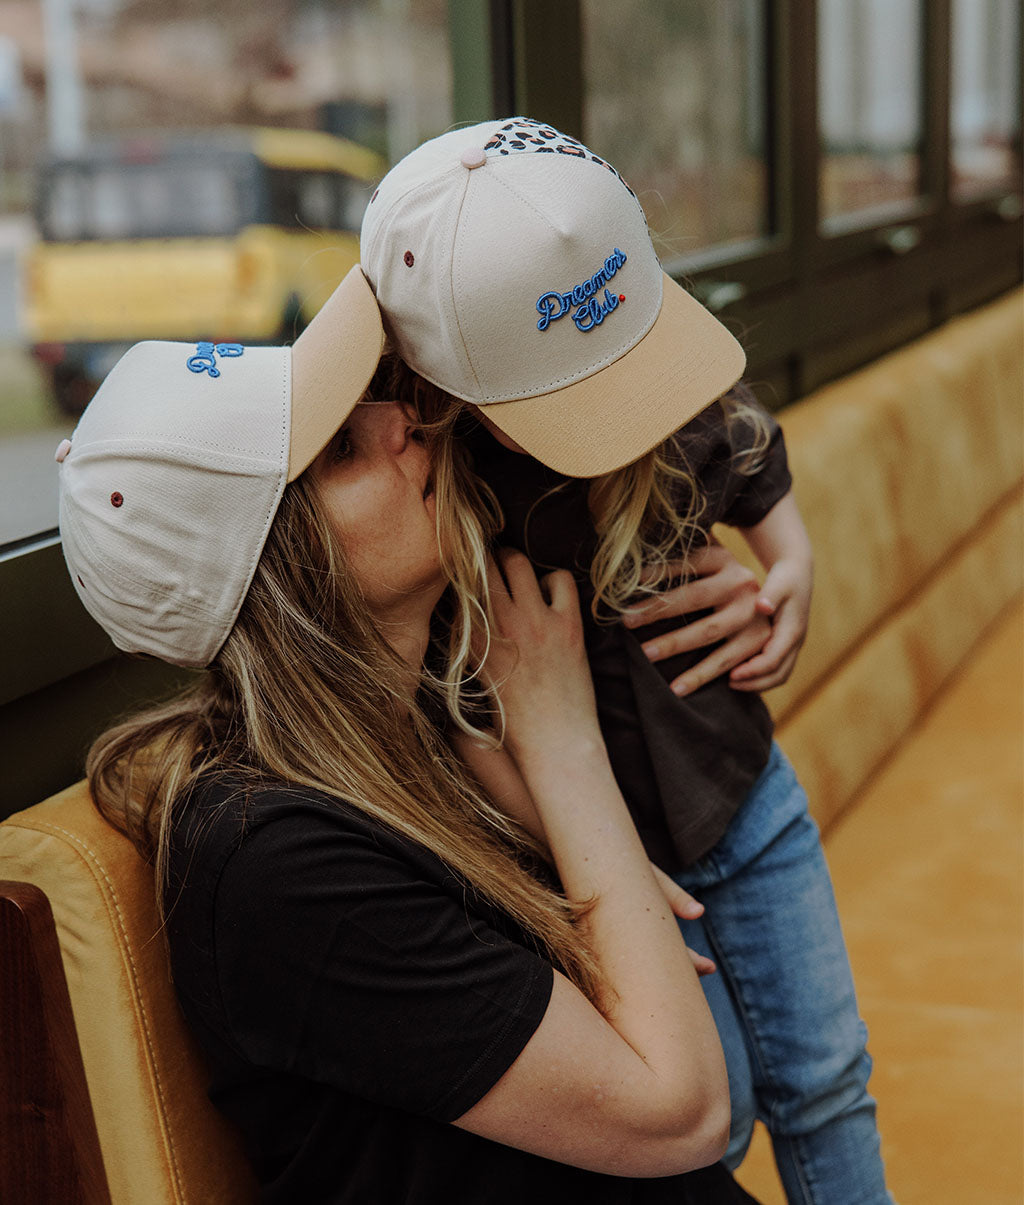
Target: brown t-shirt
[{"x": 684, "y": 765}]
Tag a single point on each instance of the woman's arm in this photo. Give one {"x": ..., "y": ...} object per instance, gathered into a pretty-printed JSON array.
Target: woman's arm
[
  {"x": 505, "y": 787},
  {"x": 639, "y": 1089}
]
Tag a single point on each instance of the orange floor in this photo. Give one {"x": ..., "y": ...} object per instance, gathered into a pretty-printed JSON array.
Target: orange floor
[{"x": 928, "y": 866}]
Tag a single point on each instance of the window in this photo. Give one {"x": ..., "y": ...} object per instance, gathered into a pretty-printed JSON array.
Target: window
[
  {"x": 833, "y": 177},
  {"x": 985, "y": 96},
  {"x": 376, "y": 71},
  {"x": 869, "y": 104},
  {"x": 685, "y": 124},
  {"x": 126, "y": 201}
]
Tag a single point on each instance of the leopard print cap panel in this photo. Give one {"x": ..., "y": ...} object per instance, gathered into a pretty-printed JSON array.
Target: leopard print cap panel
[{"x": 522, "y": 134}]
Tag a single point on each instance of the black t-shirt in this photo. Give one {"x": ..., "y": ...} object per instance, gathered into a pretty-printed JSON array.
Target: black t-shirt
[
  {"x": 683, "y": 765},
  {"x": 353, "y": 997}
]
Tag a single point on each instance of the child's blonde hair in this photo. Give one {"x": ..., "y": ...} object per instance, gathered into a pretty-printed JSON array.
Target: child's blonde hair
[{"x": 647, "y": 515}]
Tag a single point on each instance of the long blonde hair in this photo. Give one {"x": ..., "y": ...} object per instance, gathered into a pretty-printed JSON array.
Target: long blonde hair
[
  {"x": 307, "y": 691},
  {"x": 647, "y": 515}
]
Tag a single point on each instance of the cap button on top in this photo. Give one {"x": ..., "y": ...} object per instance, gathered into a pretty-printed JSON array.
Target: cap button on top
[
  {"x": 474, "y": 156},
  {"x": 63, "y": 448}
]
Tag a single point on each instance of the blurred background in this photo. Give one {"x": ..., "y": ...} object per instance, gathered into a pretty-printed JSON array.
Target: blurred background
[
  {"x": 183, "y": 170},
  {"x": 835, "y": 179}
]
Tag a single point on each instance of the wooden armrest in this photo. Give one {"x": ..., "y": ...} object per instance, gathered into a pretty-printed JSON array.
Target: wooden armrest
[{"x": 49, "y": 1149}]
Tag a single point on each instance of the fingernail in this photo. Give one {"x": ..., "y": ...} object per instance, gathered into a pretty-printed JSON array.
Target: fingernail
[
  {"x": 679, "y": 689},
  {"x": 651, "y": 649}
]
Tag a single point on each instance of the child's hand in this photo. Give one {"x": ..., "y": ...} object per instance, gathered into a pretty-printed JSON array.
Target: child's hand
[
  {"x": 685, "y": 907},
  {"x": 785, "y": 599},
  {"x": 537, "y": 661},
  {"x": 721, "y": 583}
]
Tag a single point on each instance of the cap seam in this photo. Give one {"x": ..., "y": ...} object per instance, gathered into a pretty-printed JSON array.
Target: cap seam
[
  {"x": 388, "y": 210},
  {"x": 227, "y": 456},
  {"x": 457, "y": 251}
]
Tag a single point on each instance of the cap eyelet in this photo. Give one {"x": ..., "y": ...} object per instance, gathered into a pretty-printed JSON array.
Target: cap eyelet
[
  {"x": 409, "y": 259},
  {"x": 116, "y": 499}
]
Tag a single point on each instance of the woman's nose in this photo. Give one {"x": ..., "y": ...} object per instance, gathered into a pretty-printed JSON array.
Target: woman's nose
[{"x": 392, "y": 426}]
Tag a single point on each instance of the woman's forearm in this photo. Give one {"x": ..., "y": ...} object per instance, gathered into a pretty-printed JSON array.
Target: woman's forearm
[{"x": 653, "y": 998}]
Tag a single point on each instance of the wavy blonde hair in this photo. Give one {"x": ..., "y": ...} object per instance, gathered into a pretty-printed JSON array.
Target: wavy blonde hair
[
  {"x": 648, "y": 515},
  {"x": 307, "y": 691}
]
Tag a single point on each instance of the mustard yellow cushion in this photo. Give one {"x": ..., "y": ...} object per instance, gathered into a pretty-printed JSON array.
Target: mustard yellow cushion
[{"x": 162, "y": 1140}]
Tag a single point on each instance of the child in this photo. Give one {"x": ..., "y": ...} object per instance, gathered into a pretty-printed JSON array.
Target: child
[{"x": 515, "y": 272}]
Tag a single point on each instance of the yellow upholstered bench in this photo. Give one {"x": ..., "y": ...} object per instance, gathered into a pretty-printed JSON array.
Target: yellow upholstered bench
[
  {"x": 904, "y": 720},
  {"x": 909, "y": 476},
  {"x": 162, "y": 1142}
]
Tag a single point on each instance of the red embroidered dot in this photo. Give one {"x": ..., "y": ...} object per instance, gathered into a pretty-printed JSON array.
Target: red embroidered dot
[
  {"x": 116, "y": 499},
  {"x": 80, "y": 582},
  {"x": 622, "y": 296},
  {"x": 409, "y": 258}
]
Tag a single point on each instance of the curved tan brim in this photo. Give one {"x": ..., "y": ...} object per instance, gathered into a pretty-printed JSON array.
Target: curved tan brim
[
  {"x": 684, "y": 362},
  {"x": 333, "y": 361}
]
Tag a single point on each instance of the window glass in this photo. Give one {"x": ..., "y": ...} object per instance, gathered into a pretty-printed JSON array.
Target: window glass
[
  {"x": 870, "y": 104},
  {"x": 986, "y": 96},
  {"x": 685, "y": 121},
  {"x": 316, "y": 204},
  {"x": 377, "y": 72}
]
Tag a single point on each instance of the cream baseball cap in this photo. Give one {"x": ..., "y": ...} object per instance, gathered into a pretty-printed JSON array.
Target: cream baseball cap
[
  {"x": 173, "y": 476},
  {"x": 514, "y": 269}
]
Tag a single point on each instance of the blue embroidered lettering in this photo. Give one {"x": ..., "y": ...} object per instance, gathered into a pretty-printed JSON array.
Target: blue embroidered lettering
[
  {"x": 591, "y": 311},
  {"x": 205, "y": 359},
  {"x": 594, "y": 312},
  {"x": 546, "y": 307}
]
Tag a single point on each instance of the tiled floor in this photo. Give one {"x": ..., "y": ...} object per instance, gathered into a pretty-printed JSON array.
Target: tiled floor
[{"x": 928, "y": 866}]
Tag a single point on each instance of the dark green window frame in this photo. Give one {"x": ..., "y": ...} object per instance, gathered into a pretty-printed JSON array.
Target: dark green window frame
[{"x": 809, "y": 307}]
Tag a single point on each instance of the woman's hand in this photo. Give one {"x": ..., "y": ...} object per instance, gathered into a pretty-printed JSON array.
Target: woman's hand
[
  {"x": 537, "y": 661},
  {"x": 731, "y": 590}
]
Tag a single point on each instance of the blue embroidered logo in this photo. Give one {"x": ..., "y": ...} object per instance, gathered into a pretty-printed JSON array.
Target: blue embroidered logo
[
  {"x": 591, "y": 310},
  {"x": 205, "y": 358}
]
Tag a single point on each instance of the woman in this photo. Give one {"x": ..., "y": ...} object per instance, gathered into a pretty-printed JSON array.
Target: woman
[{"x": 398, "y": 999}]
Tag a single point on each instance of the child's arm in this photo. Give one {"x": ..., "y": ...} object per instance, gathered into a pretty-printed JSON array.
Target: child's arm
[{"x": 780, "y": 542}]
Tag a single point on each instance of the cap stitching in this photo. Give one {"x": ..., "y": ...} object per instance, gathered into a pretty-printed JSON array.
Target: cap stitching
[
  {"x": 386, "y": 211},
  {"x": 697, "y": 362},
  {"x": 457, "y": 250}
]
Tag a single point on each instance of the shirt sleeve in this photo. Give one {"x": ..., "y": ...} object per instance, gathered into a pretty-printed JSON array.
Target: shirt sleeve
[
  {"x": 340, "y": 961},
  {"x": 709, "y": 447}
]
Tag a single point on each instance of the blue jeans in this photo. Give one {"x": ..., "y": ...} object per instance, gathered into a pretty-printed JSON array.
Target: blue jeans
[{"x": 783, "y": 998}]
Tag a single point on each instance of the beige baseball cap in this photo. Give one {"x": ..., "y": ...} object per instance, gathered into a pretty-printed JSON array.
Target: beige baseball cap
[
  {"x": 173, "y": 476},
  {"x": 515, "y": 270}
]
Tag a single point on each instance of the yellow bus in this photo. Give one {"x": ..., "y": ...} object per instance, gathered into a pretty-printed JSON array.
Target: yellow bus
[{"x": 231, "y": 236}]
